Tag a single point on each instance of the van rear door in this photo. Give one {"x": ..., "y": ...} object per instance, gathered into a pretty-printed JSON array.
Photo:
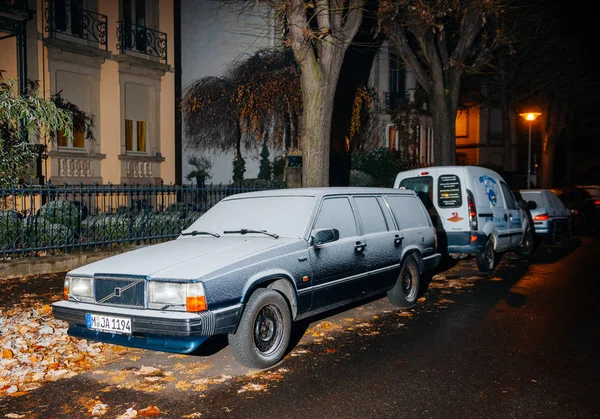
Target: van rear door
[{"x": 451, "y": 199}]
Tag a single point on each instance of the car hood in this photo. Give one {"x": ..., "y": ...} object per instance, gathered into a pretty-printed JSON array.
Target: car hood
[{"x": 184, "y": 258}]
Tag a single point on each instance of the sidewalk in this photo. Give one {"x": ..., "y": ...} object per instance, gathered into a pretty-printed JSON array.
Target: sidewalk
[{"x": 34, "y": 346}]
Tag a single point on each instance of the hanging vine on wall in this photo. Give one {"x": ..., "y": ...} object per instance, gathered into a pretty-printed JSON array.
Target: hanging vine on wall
[{"x": 82, "y": 121}]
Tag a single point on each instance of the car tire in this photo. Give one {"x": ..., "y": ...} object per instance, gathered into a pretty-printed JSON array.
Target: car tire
[
  {"x": 264, "y": 330},
  {"x": 486, "y": 259},
  {"x": 406, "y": 290},
  {"x": 528, "y": 245}
]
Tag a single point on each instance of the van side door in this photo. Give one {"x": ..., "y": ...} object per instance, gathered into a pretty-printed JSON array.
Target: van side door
[{"x": 515, "y": 223}]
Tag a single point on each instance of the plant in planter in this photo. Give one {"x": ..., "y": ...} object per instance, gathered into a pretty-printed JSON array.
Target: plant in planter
[{"x": 200, "y": 169}]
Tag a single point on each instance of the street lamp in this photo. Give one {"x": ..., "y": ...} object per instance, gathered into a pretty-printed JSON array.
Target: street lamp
[{"x": 529, "y": 116}]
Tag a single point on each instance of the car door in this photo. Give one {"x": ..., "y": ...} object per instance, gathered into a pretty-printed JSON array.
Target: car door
[
  {"x": 338, "y": 266},
  {"x": 501, "y": 219},
  {"x": 515, "y": 223},
  {"x": 383, "y": 241}
]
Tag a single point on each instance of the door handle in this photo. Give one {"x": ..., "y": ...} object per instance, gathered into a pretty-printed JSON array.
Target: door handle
[
  {"x": 397, "y": 239},
  {"x": 360, "y": 247}
]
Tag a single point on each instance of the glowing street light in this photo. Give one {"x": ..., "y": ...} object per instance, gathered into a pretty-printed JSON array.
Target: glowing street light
[{"x": 529, "y": 116}]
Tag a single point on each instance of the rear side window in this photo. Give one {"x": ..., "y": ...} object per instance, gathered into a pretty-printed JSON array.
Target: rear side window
[
  {"x": 449, "y": 191},
  {"x": 423, "y": 186},
  {"x": 337, "y": 213},
  {"x": 370, "y": 214},
  {"x": 408, "y": 211}
]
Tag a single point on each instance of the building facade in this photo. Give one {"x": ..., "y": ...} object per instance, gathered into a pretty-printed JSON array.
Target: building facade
[{"x": 113, "y": 60}]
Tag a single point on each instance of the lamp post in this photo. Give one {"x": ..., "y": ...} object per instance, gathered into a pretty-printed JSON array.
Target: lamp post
[{"x": 529, "y": 116}]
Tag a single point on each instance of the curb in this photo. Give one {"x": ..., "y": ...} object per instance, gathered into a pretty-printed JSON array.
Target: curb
[{"x": 26, "y": 266}]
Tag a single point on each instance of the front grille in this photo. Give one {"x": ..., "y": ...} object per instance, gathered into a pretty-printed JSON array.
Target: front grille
[{"x": 118, "y": 291}]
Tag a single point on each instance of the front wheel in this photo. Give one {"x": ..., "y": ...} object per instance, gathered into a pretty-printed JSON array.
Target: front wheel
[
  {"x": 264, "y": 330},
  {"x": 406, "y": 290},
  {"x": 486, "y": 259}
]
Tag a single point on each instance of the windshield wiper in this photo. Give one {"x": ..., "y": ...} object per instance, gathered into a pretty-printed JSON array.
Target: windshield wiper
[
  {"x": 244, "y": 231},
  {"x": 199, "y": 233}
]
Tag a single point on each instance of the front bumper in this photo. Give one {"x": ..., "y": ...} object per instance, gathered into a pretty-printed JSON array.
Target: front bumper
[{"x": 169, "y": 331}]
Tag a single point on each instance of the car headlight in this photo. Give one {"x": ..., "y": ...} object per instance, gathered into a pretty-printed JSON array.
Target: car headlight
[
  {"x": 78, "y": 287},
  {"x": 190, "y": 295}
]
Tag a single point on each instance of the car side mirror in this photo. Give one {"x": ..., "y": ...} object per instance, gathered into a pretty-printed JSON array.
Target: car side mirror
[{"x": 324, "y": 235}]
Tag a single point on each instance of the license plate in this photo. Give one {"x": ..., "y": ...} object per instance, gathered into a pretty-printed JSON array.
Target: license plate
[{"x": 108, "y": 323}]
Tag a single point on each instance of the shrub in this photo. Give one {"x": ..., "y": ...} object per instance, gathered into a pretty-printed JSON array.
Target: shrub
[
  {"x": 106, "y": 227},
  {"x": 10, "y": 229},
  {"x": 358, "y": 178},
  {"x": 381, "y": 163},
  {"x": 61, "y": 212},
  {"x": 39, "y": 232},
  {"x": 164, "y": 224}
]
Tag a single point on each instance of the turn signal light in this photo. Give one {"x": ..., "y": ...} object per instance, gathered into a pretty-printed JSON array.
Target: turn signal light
[
  {"x": 195, "y": 303},
  {"x": 541, "y": 217}
]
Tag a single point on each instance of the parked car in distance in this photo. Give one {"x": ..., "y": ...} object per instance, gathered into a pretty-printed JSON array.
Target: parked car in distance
[
  {"x": 550, "y": 216},
  {"x": 582, "y": 205},
  {"x": 594, "y": 192},
  {"x": 252, "y": 265},
  {"x": 473, "y": 210}
]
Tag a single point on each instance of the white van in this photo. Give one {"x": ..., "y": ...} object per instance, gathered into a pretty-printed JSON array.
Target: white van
[{"x": 474, "y": 211}]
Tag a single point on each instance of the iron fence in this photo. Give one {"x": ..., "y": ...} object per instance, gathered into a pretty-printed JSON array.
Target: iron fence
[
  {"x": 36, "y": 220},
  {"x": 141, "y": 39}
]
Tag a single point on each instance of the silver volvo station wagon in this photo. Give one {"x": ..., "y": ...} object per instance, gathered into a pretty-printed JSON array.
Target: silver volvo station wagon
[{"x": 250, "y": 266}]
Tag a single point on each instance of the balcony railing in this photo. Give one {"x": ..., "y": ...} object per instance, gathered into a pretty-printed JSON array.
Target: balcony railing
[
  {"x": 72, "y": 20},
  {"x": 132, "y": 37},
  {"x": 18, "y": 7},
  {"x": 394, "y": 100}
]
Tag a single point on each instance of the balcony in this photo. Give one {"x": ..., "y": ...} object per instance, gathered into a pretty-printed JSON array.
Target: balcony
[
  {"x": 12, "y": 13},
  {"x": 141, "y": 40},
  {"x": 395, "y": 100},
  {"x": 69, "y": 21}
]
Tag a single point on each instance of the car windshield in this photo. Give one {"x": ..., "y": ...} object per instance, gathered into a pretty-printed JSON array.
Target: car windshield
[{"x": 285, "y": 216}]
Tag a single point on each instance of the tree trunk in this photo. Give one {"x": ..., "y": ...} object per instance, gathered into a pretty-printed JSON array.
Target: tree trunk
[
  {"x": 444, "y": 151},
  {"x": 316, "y": 130},
  {"x": 546, "y": 180}
]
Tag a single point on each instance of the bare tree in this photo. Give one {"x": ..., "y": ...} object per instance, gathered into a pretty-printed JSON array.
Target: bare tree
[
  {"x": 319, "y": 32},
  {"x": 440, "y": 41}
]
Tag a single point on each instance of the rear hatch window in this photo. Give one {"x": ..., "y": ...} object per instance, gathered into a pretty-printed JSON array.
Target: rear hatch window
[
  {"x": 449, "y": 191},
  {"x": 423, "y": 186}
]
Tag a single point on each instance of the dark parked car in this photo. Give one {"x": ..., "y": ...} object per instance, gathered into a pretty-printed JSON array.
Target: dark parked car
[
  {"x": 252, "y": 265},
  {"x": 582, "y": 206}
]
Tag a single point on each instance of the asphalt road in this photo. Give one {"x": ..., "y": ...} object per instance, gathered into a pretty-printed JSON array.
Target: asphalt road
[{"x": 523, "y": 342}]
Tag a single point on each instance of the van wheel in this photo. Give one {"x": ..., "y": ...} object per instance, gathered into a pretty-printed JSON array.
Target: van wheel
[
  {"x": 406, "y": 290},
  {"x": 264, "y": 331},
  {"x": 486, "y": 259},
  {"x": 528, "y": 245}
]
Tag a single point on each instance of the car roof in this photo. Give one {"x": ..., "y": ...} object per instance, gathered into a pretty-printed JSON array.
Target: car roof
[{"x": 320, "y": 192}]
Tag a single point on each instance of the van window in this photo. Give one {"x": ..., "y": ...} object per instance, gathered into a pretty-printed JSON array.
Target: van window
[
  {"x": 423, "y": 186},
  {"x": 449, "y": 191},
  {"x": 508, "y": 196},
  {"x": 337, "y": 213},
  {"x": 370, "y": 214},
  {"x": 408, "y": 211}
]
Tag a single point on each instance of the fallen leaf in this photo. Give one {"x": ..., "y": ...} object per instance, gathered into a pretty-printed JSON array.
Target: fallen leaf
[
  {"x": 150, "y": 411},
  {"x": 7, "y": 354},
  {"x": 129, "y": 414}
]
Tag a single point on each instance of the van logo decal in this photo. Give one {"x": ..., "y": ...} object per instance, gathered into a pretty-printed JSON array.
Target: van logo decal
[
  {"x": 490, "y": 188},
  {"x": 455, "y": 218}
]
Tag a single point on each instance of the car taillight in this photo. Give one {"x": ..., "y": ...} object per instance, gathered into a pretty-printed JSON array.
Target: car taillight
[
  {"x": 472, "y": 210},
  {"x": 541, "y": 217},
  {"x": 597, "y": 202}
]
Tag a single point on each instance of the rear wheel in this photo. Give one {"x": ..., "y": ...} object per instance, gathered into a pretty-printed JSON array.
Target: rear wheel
[
  {"x": 486, "y": 259},
  {"x": 264, "y": 330},
  {"x": 528, "y": 244},
  {"x": 406, "y": 290}
]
